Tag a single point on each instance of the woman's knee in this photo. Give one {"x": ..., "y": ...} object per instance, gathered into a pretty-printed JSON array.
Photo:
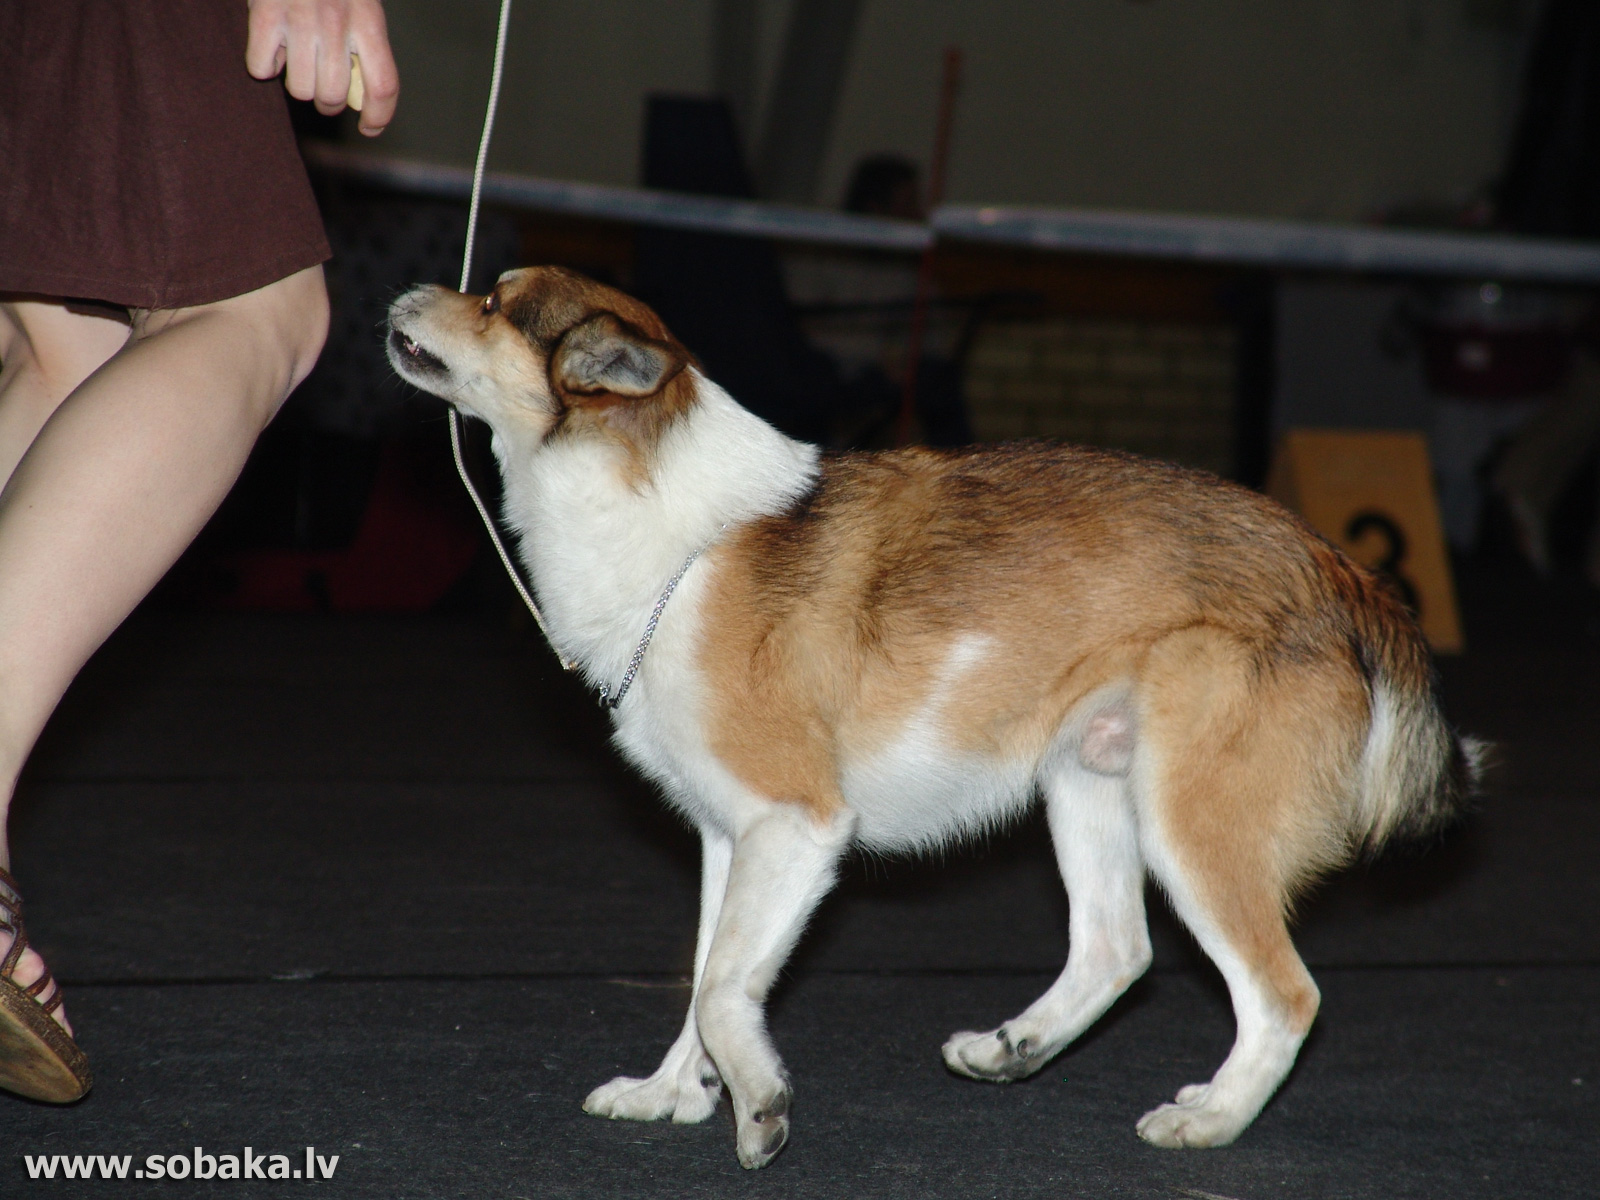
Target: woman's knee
[
  {"x": 281, "y": 327},
  {"x": 301, "y": 304},
  {"x": 292, "y": 314}
]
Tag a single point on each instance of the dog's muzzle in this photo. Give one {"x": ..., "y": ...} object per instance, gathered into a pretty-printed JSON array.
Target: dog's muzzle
[{"x": 403, "y": 349}]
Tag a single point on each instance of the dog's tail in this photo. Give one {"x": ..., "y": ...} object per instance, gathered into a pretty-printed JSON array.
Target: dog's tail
[{"x": 1416, "y": 773}]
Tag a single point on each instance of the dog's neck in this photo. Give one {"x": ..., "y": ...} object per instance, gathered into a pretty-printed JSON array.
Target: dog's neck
[{"x": 600, "y": 546}]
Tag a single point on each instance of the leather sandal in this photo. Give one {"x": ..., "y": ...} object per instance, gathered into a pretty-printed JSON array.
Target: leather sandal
[{"x": 38, "y": 1058}]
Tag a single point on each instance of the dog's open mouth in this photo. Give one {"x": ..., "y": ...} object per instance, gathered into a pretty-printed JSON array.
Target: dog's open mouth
[{"x": 413, "y": 355}]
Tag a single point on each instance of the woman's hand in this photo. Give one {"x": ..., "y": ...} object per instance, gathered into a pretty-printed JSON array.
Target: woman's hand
[{"x": 311, "y": 41}]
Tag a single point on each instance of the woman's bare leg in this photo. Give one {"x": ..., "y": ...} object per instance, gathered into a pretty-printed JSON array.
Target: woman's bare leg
[{"x": 122, "y": 473}]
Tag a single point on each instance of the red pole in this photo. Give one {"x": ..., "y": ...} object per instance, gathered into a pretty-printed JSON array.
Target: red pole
[{"x": 907, "y": 426}]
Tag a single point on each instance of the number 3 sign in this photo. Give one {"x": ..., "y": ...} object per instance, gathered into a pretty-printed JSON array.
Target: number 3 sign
[{"x": 1370, "y": 492}]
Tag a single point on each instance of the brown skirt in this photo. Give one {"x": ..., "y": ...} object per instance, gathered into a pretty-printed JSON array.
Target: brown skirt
[{"x": 140, "y": 164}]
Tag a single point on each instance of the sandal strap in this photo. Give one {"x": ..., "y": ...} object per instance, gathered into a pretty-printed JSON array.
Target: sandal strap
[
  {"x": 53, "y": 1002},
  {"x": 19, "y": 943},
  {"x": 11, "y": 922},
  {"x": 37, "y": 987}
]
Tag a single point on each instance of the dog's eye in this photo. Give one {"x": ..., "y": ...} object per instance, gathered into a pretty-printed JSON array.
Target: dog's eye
[{"x": 491, "y": 304}]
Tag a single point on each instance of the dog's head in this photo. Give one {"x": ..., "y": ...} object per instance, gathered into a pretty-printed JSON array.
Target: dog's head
[{"x": 547, "y": 354}]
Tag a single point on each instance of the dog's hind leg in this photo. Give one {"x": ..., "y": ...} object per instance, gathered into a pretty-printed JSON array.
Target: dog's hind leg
[
  {"x": 1242, "y": 930},
  {"x": 1097, "y": 848},
  {"x": 784, "y": 862},
  {"x": 685, "y": 1087},
  {"x": 1227, "y": 817}
]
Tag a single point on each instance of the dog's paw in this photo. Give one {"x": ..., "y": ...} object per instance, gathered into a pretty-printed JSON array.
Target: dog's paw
[
  {"x": 764, "y": 1131},
  {"x": 996, "y": 1057},
  {"x": 664, "y": 1096},
  {"x": 1194, "y": 1122}
]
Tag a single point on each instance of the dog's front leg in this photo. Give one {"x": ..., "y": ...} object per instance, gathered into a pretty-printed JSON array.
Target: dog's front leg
[
  {"x": 686, "y": 1085},
  {"x": 783, "y": 864}
]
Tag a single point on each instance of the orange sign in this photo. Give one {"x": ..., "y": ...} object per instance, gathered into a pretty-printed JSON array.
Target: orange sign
[{"x": 1370, "y": 492}]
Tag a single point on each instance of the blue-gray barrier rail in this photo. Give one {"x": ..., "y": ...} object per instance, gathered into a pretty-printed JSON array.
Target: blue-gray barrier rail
[{"x": 1239, "y": 241}]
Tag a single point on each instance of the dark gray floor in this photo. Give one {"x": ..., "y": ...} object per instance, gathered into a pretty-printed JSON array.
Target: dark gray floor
[{"x": 380, "y": 887}]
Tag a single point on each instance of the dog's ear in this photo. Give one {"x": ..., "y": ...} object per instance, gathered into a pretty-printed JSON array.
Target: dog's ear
[{"x": 605, "y": 354}]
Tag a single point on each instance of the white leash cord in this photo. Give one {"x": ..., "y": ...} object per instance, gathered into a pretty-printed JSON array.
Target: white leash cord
[
  {"x": 608, "y": 697},
  {"x": 466, "y": 275},
  {"x": 483, "y": 142}
]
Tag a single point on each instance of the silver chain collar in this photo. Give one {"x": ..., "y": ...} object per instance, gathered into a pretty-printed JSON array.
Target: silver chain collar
[{"x": 611, "y": 700}]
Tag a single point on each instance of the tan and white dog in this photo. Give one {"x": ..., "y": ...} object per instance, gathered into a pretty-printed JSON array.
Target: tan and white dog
[{"x": 896, "y": 650}]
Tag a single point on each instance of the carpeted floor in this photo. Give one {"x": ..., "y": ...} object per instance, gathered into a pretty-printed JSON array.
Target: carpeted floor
[{"x": 380, "y": 887}]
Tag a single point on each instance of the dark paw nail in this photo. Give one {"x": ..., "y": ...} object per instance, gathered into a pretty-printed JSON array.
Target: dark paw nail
[
  {"x": 775, "y": 1142},
  {"x": 777, "y": 1107}
]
